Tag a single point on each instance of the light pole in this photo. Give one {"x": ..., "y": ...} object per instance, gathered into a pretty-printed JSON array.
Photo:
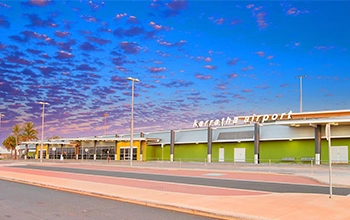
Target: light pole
[
  {"x": 133, "y": 80},
  {"x": 105, "y": 115},
  {"x": 1, "y": 115},
  {"x": 42, "y": 129},
  {"x": 301, "y": 91}
]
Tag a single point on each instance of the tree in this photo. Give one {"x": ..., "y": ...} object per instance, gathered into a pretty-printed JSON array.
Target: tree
[
  {"x": 10, "y": 143},
  {"x": 16, "y": 130},
  {"x": 29, "y": 134},
  {"x": 53, "y": 138}
]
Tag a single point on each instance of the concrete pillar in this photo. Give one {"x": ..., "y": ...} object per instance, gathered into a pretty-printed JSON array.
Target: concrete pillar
[
  {"x": 256, "y": 143},
  {"x": 95, "y": 144},
  {"x": 318, "y": 140},
  {"x": 142, "y": 135},
  {"x": 210, "y": 141},
  {"x": 172, "y": 145}
]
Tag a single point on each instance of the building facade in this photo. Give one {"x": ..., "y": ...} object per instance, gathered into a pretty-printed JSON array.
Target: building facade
[{"x": 276, "y": 138}]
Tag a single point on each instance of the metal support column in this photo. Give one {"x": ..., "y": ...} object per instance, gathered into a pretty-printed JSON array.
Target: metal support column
[
  {"x": 318, "y": 142},
  {"x": 256, "y": 143},
  {"x": 172, "y": 145},
  {"x": 210, "y": 141}
]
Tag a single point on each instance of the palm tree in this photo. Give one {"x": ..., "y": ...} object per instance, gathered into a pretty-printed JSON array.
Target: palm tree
[
  {"x": 16, "y": 130},
  {"x": 28, "y": 134},
  {"x": 10, "y": 143}
]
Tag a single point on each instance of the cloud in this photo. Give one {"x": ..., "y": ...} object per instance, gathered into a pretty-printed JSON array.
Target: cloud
[
  {"x": 247, "y": 68},
  {"x": 97, "y": 40},
  {"x": 261, "y": 20},
  {"x": 158, "y": 27},
  {"x": 64, "y": 55},
  {"x": 88, "y": 47},
  {"x": 179, "y": 43},
  {"x": 262, "y": 87},
  {"x": 246, "y": 90},
  {"x": 178, "y": 84},
  {"x": 33, "y": 51},
  {"x": 40, "y": 3},
  {"x": 233, "y": 61},
  {"x": 174, "y": 8},
  {"x": 260, "y": 53},
  {"x": 89, "y": 18},
  {"x": 132, "y": 31},
  {"x": 85, "y": 67},
  {"x": 35, "y": 21},
  {"x": 4, "y": 22},
  {"x": 67, "y": 46},
  {"x": 17, "y": 60},
  {"x": 130, "y": 47},
  {"x": 203, "y": 77},
  {"x": 210, "y": 67},
  {"x": 233, "y": 75},
  {"x": 156, "y": 69},
  {"x": 132, "y": 20},
  {"x": 237, "y": 96},
  {"x": 61, "y": 34}
]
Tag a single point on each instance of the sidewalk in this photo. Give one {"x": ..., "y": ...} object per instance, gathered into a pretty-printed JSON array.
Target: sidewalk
[{"x": 229, "y": 204}]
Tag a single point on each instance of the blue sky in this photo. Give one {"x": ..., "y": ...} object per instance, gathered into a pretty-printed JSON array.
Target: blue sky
[{"x": 194, "y": 59}]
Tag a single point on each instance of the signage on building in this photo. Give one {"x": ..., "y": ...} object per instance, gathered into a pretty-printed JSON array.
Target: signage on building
[{"x": 246, "y": 120}]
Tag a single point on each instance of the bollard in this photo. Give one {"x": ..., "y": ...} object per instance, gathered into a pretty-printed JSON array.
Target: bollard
[{"x": 108, "y": 158}]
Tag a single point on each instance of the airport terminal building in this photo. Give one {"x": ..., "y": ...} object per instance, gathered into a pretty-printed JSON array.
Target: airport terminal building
[{"x": 277, "y": 138}]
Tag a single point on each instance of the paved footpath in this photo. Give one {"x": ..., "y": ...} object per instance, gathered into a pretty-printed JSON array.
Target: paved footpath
[{"x": 221, "y": 203}]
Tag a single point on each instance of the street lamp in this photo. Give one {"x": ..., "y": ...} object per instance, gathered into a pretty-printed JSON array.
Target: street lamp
[
  {"x": 301, "y": 91},
  {"x": 1, "y": 115},
  {"x": 105, "y": 115},
  {"x": 42, "y": 129},
  {"x": 133, "y": 80}
]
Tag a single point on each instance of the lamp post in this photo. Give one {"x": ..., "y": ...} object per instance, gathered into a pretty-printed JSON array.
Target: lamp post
[
  {"x": 105, "y": 115},
  {"x": 301, "y": 91},
  {"x": 42, "y": 129},
  {"x": 1, "y": 115},
  {"x": 133, "y": 80}
]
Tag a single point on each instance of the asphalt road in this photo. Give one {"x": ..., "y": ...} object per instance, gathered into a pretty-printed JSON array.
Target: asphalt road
[
  {"x": 225, "y": 183},
  {"x": 21, "y": 201}
]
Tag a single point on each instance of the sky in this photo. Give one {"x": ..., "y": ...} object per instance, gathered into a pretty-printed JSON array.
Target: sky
[{"x": 196, "y": 60}]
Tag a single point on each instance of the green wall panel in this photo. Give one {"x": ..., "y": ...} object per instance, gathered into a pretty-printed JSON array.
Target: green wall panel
[
  {"x": 229, "y": 151},
  {"x": 276, "y": 150},
  {"x": 190, "y": 152},
  {"x": 155, "y": 153}
]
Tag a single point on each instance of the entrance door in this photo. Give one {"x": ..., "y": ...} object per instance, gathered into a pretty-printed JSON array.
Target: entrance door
[
  {"x": 221, "y": 154},
  {"x": 125, "y": 153},
  {"x": 239, "y": 155},
  {"x": 340, "y": 154}
]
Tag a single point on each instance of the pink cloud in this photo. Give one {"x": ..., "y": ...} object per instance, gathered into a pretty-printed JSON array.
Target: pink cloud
[
  {"x": 210, "y": 67},
  {"x": 39, "y": 2},
  {"x": 247, "y": 90},
  {"x": 261, "y": 20},
  {"x": 260, "y": 53},
  {"x": 233, "y": 75},
  {"x": 156, "y": 69},
  {"x": 247, "y": 68},
  {"x": 233, "y": 61},
  {"x": 61, "y": 33},
  {"x": 204, "y": 77},
  {"x": 237, "y": 96},
  {"x": 208, "y": 59}
]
